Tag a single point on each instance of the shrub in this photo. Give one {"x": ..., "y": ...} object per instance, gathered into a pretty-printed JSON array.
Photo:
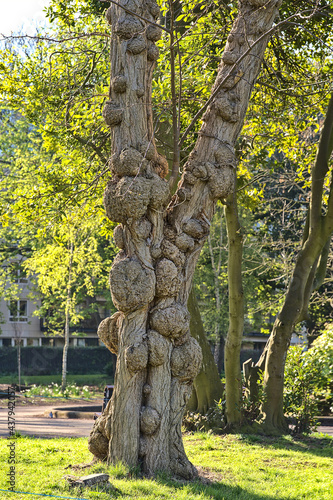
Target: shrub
[{"x": 309, "y": 382}]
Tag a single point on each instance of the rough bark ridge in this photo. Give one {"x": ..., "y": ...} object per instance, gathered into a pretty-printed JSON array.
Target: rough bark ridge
[{"x": 151, "y": 277}]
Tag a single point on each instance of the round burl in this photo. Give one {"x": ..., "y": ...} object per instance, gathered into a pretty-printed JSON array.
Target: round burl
[
  {"x": 184, "y": 242},
  {"x": 149, "y": 420},
  {"x": 158, "y": 348},
  {"x": 153, "y": 33},
  {"x": 225, "y": 156},
  {"x": 167, "y": 280},
  {"x": 147, "y": 149},
  {"x": 136, "y": 357},
  {"x": 108, "y": 331},
  {"x": 153, "y": 8},
  {"x": 118, "y": 237},
  {"x": 152, "y": 52},
  {"x": 160, "y": 192},
  {"x": 127, "y": 198},
  {"x": 98, "y": 444},
  {"x": 186, "y": 361},
  {"x": 194, "y": 228},
  {"x": 141, "y": 228},
  {"x": 128, "y": 27},
  {"x": 229, "y": 57},
  {"x": 112, "y": 114},
  {"x": 132, "y": 285},
  {"x": 221, "y": 182},
  {"x": 119, "y": 84},
  {"x": 131, "y": 161},
  {"x": 226, "y": 109},
  {"x": 199, "y": 170},
  {"x": 173, "y": 321},
  {"x": 171, "y": 252},
  {"x": 136, "y": 45}
]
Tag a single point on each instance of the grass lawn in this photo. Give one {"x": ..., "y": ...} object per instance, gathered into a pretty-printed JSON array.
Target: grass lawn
[{"x": 231, "y": 467}]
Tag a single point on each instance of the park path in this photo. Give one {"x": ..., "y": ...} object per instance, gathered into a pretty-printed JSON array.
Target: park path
[{"x": 30, "y": 421}]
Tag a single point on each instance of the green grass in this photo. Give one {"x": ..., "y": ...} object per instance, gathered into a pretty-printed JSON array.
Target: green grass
[
  {"x": 96, "y": 379},
  {"x": 237, "y": 467}
]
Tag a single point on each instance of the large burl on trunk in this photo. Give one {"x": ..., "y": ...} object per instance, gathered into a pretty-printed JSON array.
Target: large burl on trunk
[{"x": 161, "y": 238}]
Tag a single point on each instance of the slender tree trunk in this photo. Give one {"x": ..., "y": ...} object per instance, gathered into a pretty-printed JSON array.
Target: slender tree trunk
[
  {"x": 233, "y": 376},
  {"x": 19, "y": 364},
  {"x": 207, "y": 386},
  {"x": 317, "y": 232},
  {"x": 151, "y": 277},
  {"x": 67, "y": 319}
]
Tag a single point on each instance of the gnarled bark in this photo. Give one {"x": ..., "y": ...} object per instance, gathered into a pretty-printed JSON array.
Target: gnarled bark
[{"x": 151, "y": 277}]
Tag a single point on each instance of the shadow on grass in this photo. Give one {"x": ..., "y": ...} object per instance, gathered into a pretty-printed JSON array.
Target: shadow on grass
[
  {"x": 216, "y": 490},
  {"x": 321, "y": 445}
]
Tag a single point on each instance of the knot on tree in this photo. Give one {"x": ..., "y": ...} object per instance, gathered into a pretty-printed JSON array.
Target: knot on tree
[
  {"x": 112, "y": 114},
  {"x": 161, "y": 166},
  {"x": 136, "y": 356},
  {"x": 132, "y": 285},
  {"x": 157, "y": 351},
  {"x": 226, "y": 107},
  {"x": 184, "y": 242},
  {"x": 149, "y": 420},
  {"x": 194, "y": 228},
  {"x": 119, "y": 84},
  {"x": 229, "y": 57},
  {"x": 173, "y": 321},
  {"x": 153, "y": 33},
  {"x": 136, "y": 45},
  {"x": 141, "y": 228},
  {"x": 221, "y": 182},
  {"x": 167, "y": 279},
  {"x": 186, "y": 361},
  {"x": 129, "y": 163},
  {"x": 128, "y": 27},
  {"x": 153, "y": 8},
  {"x": 147, "y": 149},
  {"x": 152, "y": 52},
  {"x": 130, "y": 197},
  {"x": 198, "y": 170},
  {"x": 127, "y": 198},
  {"x": 108, "y": 331},
  {"x": 171, "y": 252},
  {"x": 118, "y": 237}
]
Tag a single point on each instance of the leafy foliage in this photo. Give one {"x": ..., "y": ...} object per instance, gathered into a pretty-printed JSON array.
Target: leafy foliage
[{"x": 309, "y": 382}]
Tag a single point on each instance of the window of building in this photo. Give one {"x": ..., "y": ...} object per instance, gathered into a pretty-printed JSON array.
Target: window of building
[
  {"x": 81, "y": 342},
  {"x": 17, "y": 273},
  {"x": 18, "y": 310}
]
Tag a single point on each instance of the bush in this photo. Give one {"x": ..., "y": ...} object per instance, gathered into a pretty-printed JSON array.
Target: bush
[{"x": 309, "y": 382}]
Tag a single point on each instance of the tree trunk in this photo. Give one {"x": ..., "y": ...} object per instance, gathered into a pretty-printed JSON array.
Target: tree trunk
[
  {"x": 151, "y": 277},
  {"x": 19, "y": 364},
  {"x": 317, "y": 231},
  {"x": 207, "y": 386},
  {"x": 233, "y": 375},
  {"x": 67, "y": 318}
]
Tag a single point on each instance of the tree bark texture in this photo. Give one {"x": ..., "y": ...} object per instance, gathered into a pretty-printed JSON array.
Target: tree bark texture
[
  {"x": 160, "y": 240},
  {"x": 207, "y": 386},
  {"x": 233, "y": 375},
  {"x": 317, "y": 232}
]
